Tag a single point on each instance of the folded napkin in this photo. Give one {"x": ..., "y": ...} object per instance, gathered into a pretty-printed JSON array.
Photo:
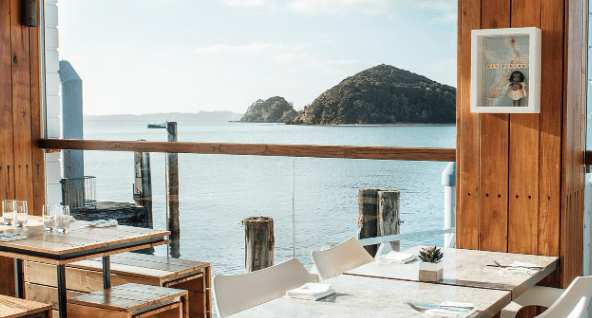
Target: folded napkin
[
  {"x": 396, "y": 257},
  {"x": 311, "y": 291},
  {"x": 453, "y": 313},
  {"x": 102, "y": 223}
]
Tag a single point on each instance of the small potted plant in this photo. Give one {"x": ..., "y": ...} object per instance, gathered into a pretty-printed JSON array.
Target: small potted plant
[{"x": 430, "y": 267}]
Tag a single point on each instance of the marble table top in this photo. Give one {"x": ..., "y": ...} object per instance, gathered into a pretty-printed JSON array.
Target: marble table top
[
  {"x": 468, "y": 268},
  {"x": 358, "y": 296}
]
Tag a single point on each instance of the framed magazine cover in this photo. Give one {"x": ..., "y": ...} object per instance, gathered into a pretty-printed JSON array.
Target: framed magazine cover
[{"x": 505, "y": 70}]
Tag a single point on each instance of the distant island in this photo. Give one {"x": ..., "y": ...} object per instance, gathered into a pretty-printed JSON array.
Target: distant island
[
  {"x": 273, "y": 110},
  {"x": 382, "y": 94}
]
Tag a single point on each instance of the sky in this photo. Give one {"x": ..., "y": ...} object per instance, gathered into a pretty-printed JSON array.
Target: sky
[{"x": 150, "y": 56}]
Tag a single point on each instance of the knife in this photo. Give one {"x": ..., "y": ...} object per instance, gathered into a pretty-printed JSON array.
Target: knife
[{"x": 443, "y": 306}]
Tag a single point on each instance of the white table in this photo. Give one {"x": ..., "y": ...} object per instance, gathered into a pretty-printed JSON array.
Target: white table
[
  {"x": 468, "y": 268},
  {"x": 358, "y": 296}
]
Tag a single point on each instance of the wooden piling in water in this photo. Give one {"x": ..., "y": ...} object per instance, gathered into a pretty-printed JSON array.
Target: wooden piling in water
[
  {"x": 367, "y": 216},
  {"x": 259, "y": 243},
  {"x": 388, "y": 215},
  {"x": 143, "y": 184},
  {"x": 172, "y": 182}
]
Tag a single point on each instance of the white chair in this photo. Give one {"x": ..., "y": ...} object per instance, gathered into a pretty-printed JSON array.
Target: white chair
[
  {"x": 340, "y": 258},
  {"x": 239, "y": 292},
  {"x": 560, "y": 302}
]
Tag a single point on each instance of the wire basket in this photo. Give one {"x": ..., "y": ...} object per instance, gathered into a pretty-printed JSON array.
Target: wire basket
[{"x": 79, "y": 192}]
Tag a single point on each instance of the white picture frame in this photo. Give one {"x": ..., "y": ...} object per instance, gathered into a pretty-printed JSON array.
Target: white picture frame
[{"x": 505, "y": 70}]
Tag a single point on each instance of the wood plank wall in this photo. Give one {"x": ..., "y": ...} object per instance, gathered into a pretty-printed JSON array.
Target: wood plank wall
[
  {"x": 22, "y": 172},
  {"x": 521, "y": 176}
]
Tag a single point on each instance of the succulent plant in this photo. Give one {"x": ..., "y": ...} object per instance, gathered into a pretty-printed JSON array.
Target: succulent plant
[{"x": 430, "y": 254}]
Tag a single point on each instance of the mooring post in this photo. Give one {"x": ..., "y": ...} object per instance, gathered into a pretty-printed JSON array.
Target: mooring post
[
  {"x": 172, "y": 182},
  {"x": 259, "y": 243},
  {"x": 388, "y": 215},
  {"x": 449, "y": 183},
  {"x": 368, "y": 216},
  {"x": 143, "y": 184}
]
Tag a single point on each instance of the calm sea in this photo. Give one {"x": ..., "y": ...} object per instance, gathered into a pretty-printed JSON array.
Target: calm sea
[{"x": 312, "y": 201}]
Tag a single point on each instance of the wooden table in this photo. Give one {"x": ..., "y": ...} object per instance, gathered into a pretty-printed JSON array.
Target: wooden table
[
  {"x": 468, "y": 268},
  {"x": 81, "y": 242},
  {"x": 358, "y": 296}
]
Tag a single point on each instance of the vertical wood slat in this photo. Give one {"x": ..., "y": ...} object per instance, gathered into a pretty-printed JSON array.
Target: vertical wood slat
[
  {"x": 467, "y": 129},
  {"x": 38, "y": 156},
  {"x": 21, "y": 104},
  {"x": 574, "y": 142},
  {"x": 6, "y": 126},
  {"x": 524, "y": 156},
  {"x": 494, "y": 138},
  {"x": 550, "y": 125}
]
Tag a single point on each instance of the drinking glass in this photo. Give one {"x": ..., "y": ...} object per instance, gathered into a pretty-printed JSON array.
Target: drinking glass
[
  {"x": 49, "y": 221},
  {"x": 22, "y": 214},
  {"x": 8, "y": 211},
  {"x": 62, "y": 217}
]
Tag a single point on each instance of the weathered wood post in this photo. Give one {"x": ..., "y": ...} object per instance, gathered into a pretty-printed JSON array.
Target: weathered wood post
[
  {"x": 259, "y": 243},
  {"x": 367, "y": 216},
  {"x": 172, "y": 182},
  {"x": 143, "y": 184},
  {"x": 388, "y": 215}
]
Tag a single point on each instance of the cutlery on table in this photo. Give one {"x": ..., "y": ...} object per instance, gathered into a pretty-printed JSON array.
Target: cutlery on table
[
  {"x": 511, "y": 266},
  {"x": 423, "y": 307}
]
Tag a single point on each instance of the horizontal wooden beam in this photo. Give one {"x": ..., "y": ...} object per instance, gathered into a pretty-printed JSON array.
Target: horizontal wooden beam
[{"x": 313, "y": 151}]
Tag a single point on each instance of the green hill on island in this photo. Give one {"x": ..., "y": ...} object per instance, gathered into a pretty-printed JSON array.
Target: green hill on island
[{"x": 379, "y": 95}]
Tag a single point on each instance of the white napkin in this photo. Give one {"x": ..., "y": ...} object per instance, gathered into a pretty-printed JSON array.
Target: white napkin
[
  {"x": 311, "y": 291},
  {"x": 396, "y": 257},
  {"x": 102, "y": 223},
  {"x": 445, "y": 313}
]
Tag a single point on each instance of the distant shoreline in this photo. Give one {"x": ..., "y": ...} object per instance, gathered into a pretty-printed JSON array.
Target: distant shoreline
[{"x": 349, "y": 125}]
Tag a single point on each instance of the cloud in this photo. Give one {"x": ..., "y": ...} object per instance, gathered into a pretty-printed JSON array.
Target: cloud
[
  {"x": 246, "y": 3},
  {"x": 368, "y": 6},
  {"x": 252, "y": 50}
]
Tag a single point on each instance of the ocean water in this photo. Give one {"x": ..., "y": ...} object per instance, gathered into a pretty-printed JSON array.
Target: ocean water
[{"x": 312, "y": 201}]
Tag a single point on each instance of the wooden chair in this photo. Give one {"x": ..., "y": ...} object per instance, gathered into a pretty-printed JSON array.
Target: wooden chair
[
  {"x": 560, "y": 302},
  {"x": 240, "y": 292},
  {"x": 340, "y": 258}
]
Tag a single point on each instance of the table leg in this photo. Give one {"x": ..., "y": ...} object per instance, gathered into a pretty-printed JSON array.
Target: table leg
[
  {"x": 62, "y": 302},
  {"x": 106, "y": 272},
  {"x": 19, "y": 278}
]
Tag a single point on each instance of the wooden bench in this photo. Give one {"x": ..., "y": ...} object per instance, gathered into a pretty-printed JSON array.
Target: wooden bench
[
  {"x": 131, "y": 301},
  {"x": 86, "y": 276},
  {"x": 11, "y": 307}
]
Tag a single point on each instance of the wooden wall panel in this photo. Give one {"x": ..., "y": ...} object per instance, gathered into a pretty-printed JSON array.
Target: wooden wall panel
[
  {"x": 21, "y": 105},
  {"x": 574, "y": 141},
  {"x": 467, "y": 235},
  {"x": 524, "y": 156},
  {"x": 6, "y": 127},
  {"x": 534, "y": 159},
  {"x": 494, "y": 139},
  {"x": 550, "y": 125},
  {"x": 37, "y": 154},
  {"x": 22, "y": 169}
]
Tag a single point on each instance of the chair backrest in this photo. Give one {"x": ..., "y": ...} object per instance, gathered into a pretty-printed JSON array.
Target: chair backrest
[
  {"x": 236, "y": 293},
  {"x": 580, "y": 288},
  {"x": 340, "y": 258},
  {"x": 578, "y": 311}
]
